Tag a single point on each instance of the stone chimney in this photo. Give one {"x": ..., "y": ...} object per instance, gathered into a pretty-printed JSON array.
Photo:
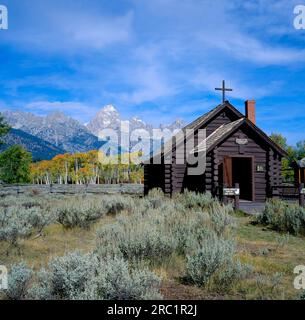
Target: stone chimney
[{"x": 250, "y": 110}]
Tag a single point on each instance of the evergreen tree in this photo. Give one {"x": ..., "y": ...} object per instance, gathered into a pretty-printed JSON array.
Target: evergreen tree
[
  {"x": 15, "y": 165},
  {"x": 287, "y": 171},
  {"x": 294, "y": 154},
  {"x": 300, "y": 150}
]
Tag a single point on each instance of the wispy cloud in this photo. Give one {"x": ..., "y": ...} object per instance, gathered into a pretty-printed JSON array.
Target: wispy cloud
[{"x": 66, "y": 27}]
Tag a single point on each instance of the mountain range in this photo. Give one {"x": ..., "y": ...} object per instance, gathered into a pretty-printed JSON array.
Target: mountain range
[
  {"x": 40, "y": 149},
  {"x": 57, "y": 133}
]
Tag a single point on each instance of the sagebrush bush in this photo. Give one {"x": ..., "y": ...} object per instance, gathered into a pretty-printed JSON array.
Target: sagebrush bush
[
  {"x": 155, "y": 198},
  {"x": 186, "y": 228},
  {"x": 116, "y": 204},
  {"x": 15, "y": 224},
  {"x": 283, "y": 217},
  {"x": 66, "y": 277},
  {"x": 21, "y": 216},
  {"x": 273, "y": 208},
  {"x": 84, "y": 277},
  {"x": 21, "y": 200},
  {"x": 82, "y": 212},
  {"x": 214, "y": 254},
  {"x": 136, "y": 238},
  {"x": 116, "y": 280},
  {"x": 221, "y": 220},
  {"x": 190, "y": 228},
  {"x": 195, "y": 200},
  {"x": 40, "y": 218},
  {"x": 79, "y": 212},
  {"x": 155, "y": 232},
  {"x": 19, "y": 279}
]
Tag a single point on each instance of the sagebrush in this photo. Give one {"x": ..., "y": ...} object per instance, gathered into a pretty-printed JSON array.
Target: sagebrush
[
  {"x": 283, "y": 217},
  {"x": 143, "y": 235}
]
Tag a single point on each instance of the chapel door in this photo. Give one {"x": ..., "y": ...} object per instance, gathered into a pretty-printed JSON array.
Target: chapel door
[{"x": 227, "y": 172}]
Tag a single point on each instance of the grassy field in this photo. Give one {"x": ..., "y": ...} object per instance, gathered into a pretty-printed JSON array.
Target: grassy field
[{"x": 271, "y": 255}]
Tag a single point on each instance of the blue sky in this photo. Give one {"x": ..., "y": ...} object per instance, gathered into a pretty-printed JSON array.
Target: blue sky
[{"x": 159, "y": 59}]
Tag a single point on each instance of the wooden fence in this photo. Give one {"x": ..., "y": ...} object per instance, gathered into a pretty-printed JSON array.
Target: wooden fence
[
  {"x": 286, "y": 192},
  {"x": 27, "y": 189},
  {"x": 282, "y": 192}
]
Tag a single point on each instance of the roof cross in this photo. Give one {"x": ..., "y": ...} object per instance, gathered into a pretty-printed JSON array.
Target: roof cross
[{"x": 223, "y": 89}]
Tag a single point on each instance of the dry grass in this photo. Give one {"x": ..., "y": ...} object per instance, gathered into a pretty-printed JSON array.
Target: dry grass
[
  {"x": 56, "y": 241},
  {"x": 259, "y": 247}
]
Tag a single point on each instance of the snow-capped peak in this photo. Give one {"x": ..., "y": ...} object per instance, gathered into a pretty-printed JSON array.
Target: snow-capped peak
[
  {"x": 107, "y": 117},
  {"x": 176, "y": 125},
  {"x": 109, "y": 109}
]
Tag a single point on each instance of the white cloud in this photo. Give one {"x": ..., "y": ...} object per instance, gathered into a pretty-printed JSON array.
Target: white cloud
[
  {"x": 97, "y": 31},
  {"x": 65, "y": 27},
  {"x": 238, "y": 29},
  {"x": 150, "y": 84},
  {"x": 250, "y": 49}
]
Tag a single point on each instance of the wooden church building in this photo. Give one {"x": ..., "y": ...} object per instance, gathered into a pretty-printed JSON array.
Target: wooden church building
[{"x": 236, "y": 151}]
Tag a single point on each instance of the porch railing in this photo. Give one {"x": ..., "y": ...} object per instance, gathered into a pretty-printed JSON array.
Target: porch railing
[
  {"x": 284, "y": 192},
  {"x": 287, "y": 192}
]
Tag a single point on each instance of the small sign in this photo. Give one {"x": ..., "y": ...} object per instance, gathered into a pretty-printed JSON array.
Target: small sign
[
  {"x": 303, "y": 191},
  {"x": 231, "y": 192},
  {"x": 260, "y": 168},
  {"x": 241, "y": 141}
]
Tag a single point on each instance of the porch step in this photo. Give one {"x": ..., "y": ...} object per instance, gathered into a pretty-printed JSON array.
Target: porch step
[{"x": 252, "y": 207}]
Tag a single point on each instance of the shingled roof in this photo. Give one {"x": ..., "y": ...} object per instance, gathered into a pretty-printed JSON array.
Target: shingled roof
[
  {"x": 207, "y": 116},
  {"x": 177, "y": 139},
  {"x": 217, "y": 136},
  {"x": 224, "y": 131}
]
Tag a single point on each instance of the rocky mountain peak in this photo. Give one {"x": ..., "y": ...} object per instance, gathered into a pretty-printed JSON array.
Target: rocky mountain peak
[
  {"x": 57, "y": 116},
  {"x": 68, "y": 134},
  {"x": 108, "y": 111},
  {"x": 56, "y": 128},
  {"x": 176, "y": 125},
  {"x": 109, "y": 108},
  {"x": 107, "y": 118}
]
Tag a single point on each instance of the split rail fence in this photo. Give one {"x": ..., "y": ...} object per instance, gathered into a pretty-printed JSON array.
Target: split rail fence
[{"x": 69, "y": 189}]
